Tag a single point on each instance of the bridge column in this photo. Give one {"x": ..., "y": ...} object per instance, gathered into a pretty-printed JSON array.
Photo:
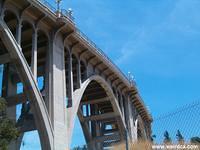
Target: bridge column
[
  {"x": 58, "y": 93},
  {"x": 89, "y": 70},
  {"x": 126, "y": 116},
  {"x": 130, "y": 111},
  {"x": 122, "y": 106},
  {"x": 70, "y": 80},
  {"x": 79, "y": 72},
  {"x": 19, "y": 32},
  {"x": 34, "y": 55}
]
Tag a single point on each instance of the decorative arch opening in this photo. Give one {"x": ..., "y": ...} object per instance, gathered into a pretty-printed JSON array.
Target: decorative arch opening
[
  {"x": 11, "y": 20},
  {"x": 98, "y": 119},
  {"x": 26, "y": 40}
]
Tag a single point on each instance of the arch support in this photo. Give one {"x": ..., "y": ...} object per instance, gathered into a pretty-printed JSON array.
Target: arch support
[
  {"x": 34, "y": 54},
  {"x": 103, "y": 107}
]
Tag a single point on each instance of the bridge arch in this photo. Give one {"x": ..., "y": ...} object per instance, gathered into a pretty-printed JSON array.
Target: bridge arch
[
  {"x": 27, "y": 19},
  {"x": 81, "y": 98},
  {"x": 10, "y": 8},
  {"x": 11, "y": 19},
  {"x": 43, "y": 123}
]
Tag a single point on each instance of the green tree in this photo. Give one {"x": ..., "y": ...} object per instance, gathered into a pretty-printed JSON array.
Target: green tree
[
  {"x": 153, "y": 137},
  {"x": 8, "y": 131},
  {"x": 167, "y": 139},
  {"x": 179, "y": 137},
  {"x": 195, "y": 140}
]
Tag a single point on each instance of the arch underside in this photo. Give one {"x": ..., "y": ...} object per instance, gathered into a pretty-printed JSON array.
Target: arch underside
[{"x": 99, "y": 114}]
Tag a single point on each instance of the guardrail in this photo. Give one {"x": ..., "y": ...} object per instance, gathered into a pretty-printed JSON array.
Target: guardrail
[{"x": 65, "y": 13}]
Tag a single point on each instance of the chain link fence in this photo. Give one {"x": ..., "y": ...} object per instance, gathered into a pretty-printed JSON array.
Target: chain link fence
[{"x": 182, "y": 125}]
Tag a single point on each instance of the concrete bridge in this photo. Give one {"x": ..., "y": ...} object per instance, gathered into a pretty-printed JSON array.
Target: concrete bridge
[{"x": 76, "y": 79}]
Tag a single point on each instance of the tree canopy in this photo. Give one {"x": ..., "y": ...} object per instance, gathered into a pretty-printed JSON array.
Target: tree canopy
[
  {"x": 8, "y": 131},
  {"x": 195, "y": 140},
  {"x": 167, "y": 138},
  {"x": 179, "y": 137}
]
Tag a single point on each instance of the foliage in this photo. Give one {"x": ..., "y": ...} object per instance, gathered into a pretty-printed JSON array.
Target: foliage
[
  {"x": 179, "y": 137},
  {"x": 195, "y": 140},
  {"x": 2, "y": 104},
  {"x": 8, "y": 131},
  {"x": 167, "y": 138},
  {"x": 153, "y": 137}
]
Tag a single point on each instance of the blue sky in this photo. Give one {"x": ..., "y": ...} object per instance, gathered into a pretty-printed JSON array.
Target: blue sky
[{"x": 158, "y": 41}]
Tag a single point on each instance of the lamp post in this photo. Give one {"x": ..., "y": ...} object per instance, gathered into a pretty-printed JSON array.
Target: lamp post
[{"x": 58, "y": 7}]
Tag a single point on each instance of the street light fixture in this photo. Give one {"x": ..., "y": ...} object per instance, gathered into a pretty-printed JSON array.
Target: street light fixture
[{"x": 58, "y": 5}]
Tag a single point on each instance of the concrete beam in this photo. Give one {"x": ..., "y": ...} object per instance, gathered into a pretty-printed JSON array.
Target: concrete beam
[
  {"x": 97, "y": 64},
  {"x": 95, "y": 101},
  {"x": 26, "y": 125},
  {"x": 16, "y": 99},
  {"x": 95, "y": 95},
  {"x": 101, "y": 139},
  {"x": 101, "y": 117},
  {"x": 110, "y": 131},
  {"x": 104, "y": 70}
]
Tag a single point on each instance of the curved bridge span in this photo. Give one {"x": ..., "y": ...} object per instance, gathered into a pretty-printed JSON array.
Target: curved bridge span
[{"x": 77, "y": 79}]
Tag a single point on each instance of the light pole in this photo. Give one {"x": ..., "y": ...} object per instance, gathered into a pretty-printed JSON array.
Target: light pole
[{"x": 58, "y": 7}]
